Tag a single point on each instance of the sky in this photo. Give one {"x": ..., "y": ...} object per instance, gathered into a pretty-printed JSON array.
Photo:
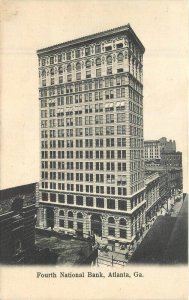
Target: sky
[{"x": 26, "y": 26}]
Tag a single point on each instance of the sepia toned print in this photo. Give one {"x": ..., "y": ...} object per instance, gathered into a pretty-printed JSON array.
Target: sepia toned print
[{"x": 106, "y": 203}]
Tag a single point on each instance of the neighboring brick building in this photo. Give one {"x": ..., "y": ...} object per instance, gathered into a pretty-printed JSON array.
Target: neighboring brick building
[
  {"x": 17, "y": 223},
  {"x": 92, "y": 165},
  {"x": 152, "y": 196}
]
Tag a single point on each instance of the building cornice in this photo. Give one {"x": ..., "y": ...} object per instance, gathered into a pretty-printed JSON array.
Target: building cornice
[{"x": 92, "y": 38}]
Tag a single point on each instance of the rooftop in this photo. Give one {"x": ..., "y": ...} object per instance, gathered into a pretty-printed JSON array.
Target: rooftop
[{"x": 91, "y": 38}]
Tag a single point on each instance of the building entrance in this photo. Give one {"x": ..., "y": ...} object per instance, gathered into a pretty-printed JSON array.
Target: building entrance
[{"x": 96, "y": 225}]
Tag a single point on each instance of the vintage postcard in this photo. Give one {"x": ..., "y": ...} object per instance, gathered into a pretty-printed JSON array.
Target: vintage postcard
[{"x": 94, "y": 165}]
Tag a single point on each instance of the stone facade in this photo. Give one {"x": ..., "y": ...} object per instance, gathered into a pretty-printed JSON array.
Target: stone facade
[{"x": 92, "y": 160}]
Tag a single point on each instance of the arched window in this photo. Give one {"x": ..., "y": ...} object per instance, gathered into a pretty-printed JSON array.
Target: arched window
[
  {"x": 122, "y": 222},
  {"x": 79, "y": 215},
  {"x": 111, "y": 220},
  {"x": 70, "y": 214},
  {"x": 109, "y": 60},
  {"x": 52, "y": 71},
  {"x": 88, "y": 64},
  {"x": 60, "y": 70},
  {"x": 61, "y": 213},
  {"x": 98, "y": 62},
  {"x": 69, "y": 68},
  {"x": 78, "y": 66},
  {"x": 120, "y": 57}
]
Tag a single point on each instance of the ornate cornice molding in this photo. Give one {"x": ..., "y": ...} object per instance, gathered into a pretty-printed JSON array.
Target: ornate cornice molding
[{"x": 91, "y": 38}]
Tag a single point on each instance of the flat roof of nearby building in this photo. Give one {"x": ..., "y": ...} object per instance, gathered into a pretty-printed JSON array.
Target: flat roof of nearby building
[
  {"x": 151, "y": 141},
  {"x": 91, "y": 38}
]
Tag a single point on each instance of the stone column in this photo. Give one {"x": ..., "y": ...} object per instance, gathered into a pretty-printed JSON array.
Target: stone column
[{"x": 56, "y": 218}]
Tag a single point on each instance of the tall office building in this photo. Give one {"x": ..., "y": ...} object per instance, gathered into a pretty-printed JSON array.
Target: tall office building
[{"x": 92, "y": 160}]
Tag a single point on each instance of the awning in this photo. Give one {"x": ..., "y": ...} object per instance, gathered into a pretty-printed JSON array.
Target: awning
[
  {"x": 118, "y": 104},
  {"x": 123, "y": 103}
]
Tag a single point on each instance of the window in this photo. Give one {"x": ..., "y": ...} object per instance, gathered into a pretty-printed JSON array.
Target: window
[
  {"x": 108, "y": 48},
  {"x": 77, "y": 53},
  {"x": 99, "y": 119},
  {"x": 88, "y": 64},
  {"x": 60, "y": 79},
  {"x": 89, "y": 201},
  {"x": 98, "y": 72},
  {"x": 111, "y": 203},
  {"x": 109, "y": 118},
  {"x": 61, "y": 198},
  {"x": 69, "y": 68},
  {"x": 120, "y": 57},
  {"x": 61, "y": 213},
  {"x": 87, "y": 51},
  {"x": 121, "y": 117},
  {"x": 109, "y": 142},
  {"x": 98, "y": 62},
  {"x": 79, "y": 215},
  {"x": 88, "y": 74},
  {"x": 110, "y": 190},
  {"x": 68, "y": 55},
  {"x": 122, "y": 205},
  {"x": 111, "y": 231},
  {"x": 120, "y": 70},
  {"x": 123, "y": 233},
  {"x": 100, "y": 202},
  {"x": 70, "y": 199},
  {"x": 109, "y": 59},
  {"x": 110, "y": 166},
  {"x": 121, "y": 142},
  {"x": 98, "y": 130},
  {"x": 79, "y": 200},
  {"x": 122, "y": 191},
  {"x": 69, "y": 78},
  {"x": 109, "y": 130},
  {"x": 70, "y": 214},
  {"x": 121, "y": 166},
  {"x": 78, "y": 76},
  {"x": 44, "y": 196},
  {"x": 99, "y": 143},
  {"x": 52, "y": 197},
  {"x": 122, "y": 222},
  {"x": 61, "y": 223},
  {"x": 97, "y": 48},
  {"x": 121, "y": 129},
  {"x": 70, "y": 224},
  {"x": 51, "y": 60},
  {"x": 59, "y": 57},
  {"x": 109, "y": 70},
  {"x": 120, "y": 45},
  {"x": 111, "y": 220}
]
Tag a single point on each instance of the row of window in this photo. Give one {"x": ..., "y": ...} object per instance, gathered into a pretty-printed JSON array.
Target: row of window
[
  {"x": 134, "y": 165},
  {"x": 108, "y": 142},
  {"x": 79, "y": 227},
  {"x": 110, "y": 178},
  {"x": 88, "y": 74},
  {"x": 89, "y": 201},
  {"x": 108, "y": 154},
  {"x": 109, "y": 130},
  {"x": 88, "y": 64},
  {"x": 91, "y": 85},
  {"x": 109, "y": 166},
  {"x": 78, "y": 53}
]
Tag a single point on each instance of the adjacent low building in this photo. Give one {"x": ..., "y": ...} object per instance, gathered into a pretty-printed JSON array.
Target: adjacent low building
[
  {"x": 17, "y": 223},
  {"x": 152, "y": 196}
]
